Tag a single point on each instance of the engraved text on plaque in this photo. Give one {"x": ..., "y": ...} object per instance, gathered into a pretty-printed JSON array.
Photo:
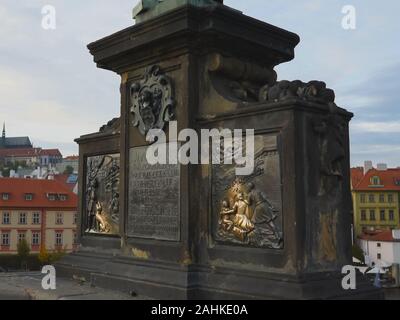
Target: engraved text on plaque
[{"x": 153, "y": 198}]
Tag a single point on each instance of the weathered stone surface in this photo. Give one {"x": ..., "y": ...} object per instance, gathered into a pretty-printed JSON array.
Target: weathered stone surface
[
  {"x": 301, "y": 184},
  {"x": 154, "y": 195}
]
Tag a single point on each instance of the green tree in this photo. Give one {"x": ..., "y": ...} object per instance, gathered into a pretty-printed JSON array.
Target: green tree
[
  {"x": 69, "y": 170},
  {"x": 44, "y": 257},
  {"x": 23, "y": 253}
]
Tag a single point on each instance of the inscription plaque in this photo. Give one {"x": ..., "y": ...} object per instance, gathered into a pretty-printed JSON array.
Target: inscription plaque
[{"x": 153, "y": 198}]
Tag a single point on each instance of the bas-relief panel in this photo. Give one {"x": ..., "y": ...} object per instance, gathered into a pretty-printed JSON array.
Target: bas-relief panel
[
  {"x": 247, "y": 210},
  {"x": 102, "y": 194}
]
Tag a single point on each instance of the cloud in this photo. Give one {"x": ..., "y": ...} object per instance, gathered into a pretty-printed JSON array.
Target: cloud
[{"x": 384, "y": 126}]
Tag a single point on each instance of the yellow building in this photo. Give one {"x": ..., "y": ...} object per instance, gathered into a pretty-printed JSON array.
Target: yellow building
[
  {"x": 375, "y": 199},
  {"x": 43, "y": 212}
]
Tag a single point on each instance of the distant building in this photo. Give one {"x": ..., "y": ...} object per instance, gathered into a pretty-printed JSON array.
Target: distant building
[
  {"x": 50, "y": 157},
  {"x": 44, "y": 212},
  {"x": 15, "y": 142},
  {"x": 71, "y": 161},
  {"x": 376, "y": 195},
  {"x": 32, "y": 156},
  {"x": 381, "y": 246}
]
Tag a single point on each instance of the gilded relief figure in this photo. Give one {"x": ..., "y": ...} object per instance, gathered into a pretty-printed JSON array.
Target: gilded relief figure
[
  {"x": 104, "y": 225},
  {"x": 250, "y": 220}
]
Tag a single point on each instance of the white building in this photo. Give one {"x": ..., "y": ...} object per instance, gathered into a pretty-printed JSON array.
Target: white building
[{"x": 382, "y": 247}]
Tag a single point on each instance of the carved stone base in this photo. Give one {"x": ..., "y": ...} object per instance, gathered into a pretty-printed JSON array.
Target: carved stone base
[{"x": 161, "y": 280}]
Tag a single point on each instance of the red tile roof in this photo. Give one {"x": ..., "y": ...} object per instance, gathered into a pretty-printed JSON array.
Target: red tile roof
[
  {"x": 30, "y": 152},
  {"x": 17, "y": 188},
  {"x": 384, "y": 236},
  {"x": 356, "y": 176},
  {"x": 63, "y": 179},
  {"x": 50, "y": 152},
  {"x": 389, "y": 180},
  {"x": 72, "y": 158}
]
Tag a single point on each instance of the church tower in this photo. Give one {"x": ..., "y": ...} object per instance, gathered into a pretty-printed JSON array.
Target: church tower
[{"x": 3, "y": 136}]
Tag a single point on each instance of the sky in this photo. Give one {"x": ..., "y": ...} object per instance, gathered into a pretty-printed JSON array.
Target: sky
[{"x": 51, "y": 90}]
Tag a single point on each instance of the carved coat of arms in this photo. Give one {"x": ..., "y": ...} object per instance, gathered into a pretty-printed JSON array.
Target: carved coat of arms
[{"x": 152, "y": 100}]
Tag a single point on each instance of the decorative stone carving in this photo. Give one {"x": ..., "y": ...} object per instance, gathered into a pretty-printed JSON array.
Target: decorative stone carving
[
  {"x": 283, "y": 90},
  {"x": 330, "y": 136},
  {"x": 238, "y": 80},
  {"x": 102, "y": 194},
  {"x": 251, "y": 219},
  {"x": 110, "y": 126},
  {"x": 245, "y": 214},
  {"x": 152, "y": 100}
]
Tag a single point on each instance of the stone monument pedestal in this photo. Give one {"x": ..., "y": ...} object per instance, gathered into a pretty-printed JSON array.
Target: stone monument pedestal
[{"x": 200, "y": 231}]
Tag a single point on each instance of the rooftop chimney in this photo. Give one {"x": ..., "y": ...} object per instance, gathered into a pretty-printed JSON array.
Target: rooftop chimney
[
  {"x": 367, "y": 166},
  {"x": 381, "y": 166}
]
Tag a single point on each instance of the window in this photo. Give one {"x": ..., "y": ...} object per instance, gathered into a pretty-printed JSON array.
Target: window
[
  {"x": 6, "y": 218},
  {"x": 379, "y": 256},
  {"x": 375, "y": 181},
  {"x": 391, "y": 215},
  {"x": 22, "y": 218},
  {"x": 63, "y": 197},
  {"x": 75, "y": 237},
  {"x": 5, "y": 196},
  {"x": 381, "y": 198},
  {"x": 35, "y": 238},
  {"x": 372, "y": 215},
  {"x": 29, "y": 197},
  {"x": 52, "y": 197},
  {"x": 378, "y": 245},
  {"x": 363, "y": 215},
  {"x": 390, "y": 198},
  {"x": 36, "y": 218},
  {"x": 75, "y": 218},
  {"x": 382, "y": 215},
  {"x": 5, "y": 239},
  {"x": 59, "y": 239},
  {"x": 59, "y": 218},
  {"x": 371, "y": 198},
  {"x": 21, "y": 236},
  {"x": 363, "y": 198}
]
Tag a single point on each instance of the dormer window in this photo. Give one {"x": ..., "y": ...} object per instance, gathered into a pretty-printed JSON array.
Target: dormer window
[
  {"x": 28, "y": 196},
  {"x": 375, "y": 181},
  {"x": 5, "y": 196},
  {"x": 51, "y": 197},
  {"x": 63, "y": 197}
]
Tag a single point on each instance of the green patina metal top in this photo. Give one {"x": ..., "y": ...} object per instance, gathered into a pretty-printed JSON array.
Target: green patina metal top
[{"x": 147, "y": 9}]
